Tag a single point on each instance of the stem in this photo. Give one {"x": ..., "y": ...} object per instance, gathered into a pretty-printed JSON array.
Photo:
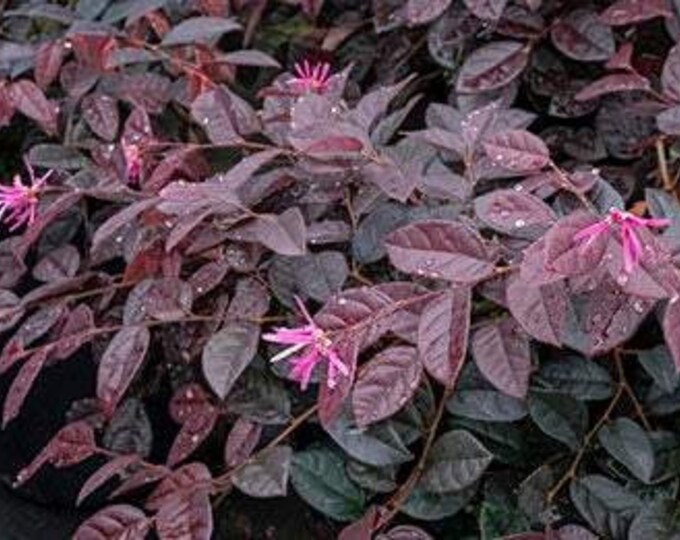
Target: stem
[
  {"x": 668, "y": 184},
  {"x": 623, "y": 382},
  {"x": 573, "y": 468},
  {"x": 567, "y": 184},
  {"x": 222, "y": 483},
  {"x": 392, "y": 506}
]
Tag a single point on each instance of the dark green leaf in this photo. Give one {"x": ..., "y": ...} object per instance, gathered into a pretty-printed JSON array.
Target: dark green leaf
[
  {"x": 560, "y": 417},
  {"x": 629, "y": 444}
]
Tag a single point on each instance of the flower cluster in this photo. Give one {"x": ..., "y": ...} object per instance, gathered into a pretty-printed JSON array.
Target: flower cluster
[
  {"x": 19, "y": 202},
  {"x": 311, "y": 78},
  {"x": 628, "y": 223},
  {"x": 314, "y": 345}
]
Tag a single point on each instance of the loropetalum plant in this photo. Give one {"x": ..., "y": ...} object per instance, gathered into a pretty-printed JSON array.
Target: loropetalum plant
[{"x": 447, "y": 288}]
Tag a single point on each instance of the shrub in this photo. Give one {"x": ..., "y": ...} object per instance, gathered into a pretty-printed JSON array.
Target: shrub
[{"x": 429, "y": 243}]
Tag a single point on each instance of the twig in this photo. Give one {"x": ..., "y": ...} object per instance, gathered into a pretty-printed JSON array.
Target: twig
[
  {"x": 391, "y": 507},
  {"x": 573, "y": 468},
  {"x": 623, "y": 381},
  {"x": 668, "y": 183}
]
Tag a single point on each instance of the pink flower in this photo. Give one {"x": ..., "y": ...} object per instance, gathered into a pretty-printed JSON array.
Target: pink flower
[
  {"x": 133, "y": 162},
  {"x": 311, "y": 78},
  {"x": 628, "y": 223},
  {"x": 18, "y": 203},
  {"x": 315, "y": 346}
]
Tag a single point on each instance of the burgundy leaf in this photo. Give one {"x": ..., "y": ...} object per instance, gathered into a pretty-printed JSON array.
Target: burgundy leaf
[
  {"x": 22, "y": 384},
  {"x": 582, "y": 36},
  {"x": 405, "y": 532},
  {"x": 670, "y": 76},
  {"x": 139, "y": 479},
  {"x": 515, "y": 213},
  {"x": 61, "y": 263},
  {"x": 181, "y": 483},
  {"x": 228, "y": 353},
  {"x": 223, "y": 116},
  {"x": 284, "y": 234},
  {"x": 501, "y": 352},
  {"x": 195, "y": 429},
  {"x": 101, "y": 114},
  {"x": 424, "y": 11},
  {"x": 71, "y": 445},
  {"x": 333, "y": 147},
  {"x": 250, "y": 57},
  {"x": 668, "y": 121},
  {"x": 30, "y": 100},
  {"x": 199, "y": 30},
  {"x": 241, "y": 441},
  {"x": 208, "y": 277},
  {"x": 517, "y": 151},
  {"x": 164, "y": 299},
  {"x": 11, "y": 311},
  {"x": 77, "y": 330},
  {"x": 119, "y": 522},
  {"x": 671, "y": 330},
  {"x": 443, "y": 335},
  {"x": 119, "y": 364},
  {"x": 48, "y": 61},
  {"x": 119, "y": 220},
  {"x": 266, "y": 475},
  {"x": 569, "y": 257},
  {"x": 624, "y": 12},
  {"x": 117, "y": 466},
  {"x": 541, "y": 310},
  {"x": 486, "y": 9},
  {"x": 440, "y": 249},
  {"x": 251, "y": 300},
  {"x": 492, "y": 66},
  {"x": 386, "y": 384},
  {"x": 186, "y": 518},
  {"x": 618, "y": 82},
  {"x": 187, "y": 401}
]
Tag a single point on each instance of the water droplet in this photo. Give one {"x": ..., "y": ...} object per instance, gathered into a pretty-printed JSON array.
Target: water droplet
[
  {"x": 675, "y": 298},
  {"x": 199, "y": 290},
  {"x": 519, "y": 187},
  {"x": 520, "y": 223},
  {"x": 205, "y": 121},
  {"x": 638, "y": 307},
  {"x": 623, "y": 278},
  {"x": 504, "y": 213},
  {"x": 190, "y": 394},
  {"x": 194, "y": 439},
  {"x": 119, "y": 239},
  {"x": 342, "y": 301}
]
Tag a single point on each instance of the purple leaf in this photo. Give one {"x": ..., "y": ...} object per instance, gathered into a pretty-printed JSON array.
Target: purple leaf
[
  {"x": 266, "y": 475},
  {"x": 617, "y": 82},
  {"x": 120, "y": 362},
  {"x": 541, "y": 310},
  {"x": 569, "y": 257},
  {"x": 48, "y": 61},
  {"x": 670, "y": 76},
  {"x": 284, "y": 234},
  {"x": 199, "y": 30},
  {"x": 227, "y": 354},
  {"x": 117, "y": 466},
  {"x": 443, "y": 335},
  {"x": 241, "y": 442},
  {"x": 61, "y": 263},
  {"x": 120, "y": 521},
  {"x": 515, "y": 213},
  {"x": 72, "y": 444},
  {"x": 193, "y": 478},
  {"x": 386, "y": 384},
  {"x": 195, "y": 429},
  {"x": 186, "y": 517},
  {"x": 101, "y": 114},
  {"x": 22, "y": 384},
  {"x": 440, "y": 249},
  {"x": 671, "y": 330},
  {"x": 492, "y": 66},
  {"x": 424, "y": 11},
  {"x": 164, "y": 299},
  {"x": 517, "y": 151},
  {"x": 625, "y": 12},
  {"x": 30, "y": 100},
  {"x": 582, "y": 36},
  {"x": 501, "y": 352},
  {"x": 486, "y": 9}
]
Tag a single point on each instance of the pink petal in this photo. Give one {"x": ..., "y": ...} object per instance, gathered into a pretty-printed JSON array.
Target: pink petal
[
  {"x": 304, "y": 311},
  {"x": 631, "y": 249},
  {"x": 592, "y": 231},
  {"x": 303, "y": 368}
]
